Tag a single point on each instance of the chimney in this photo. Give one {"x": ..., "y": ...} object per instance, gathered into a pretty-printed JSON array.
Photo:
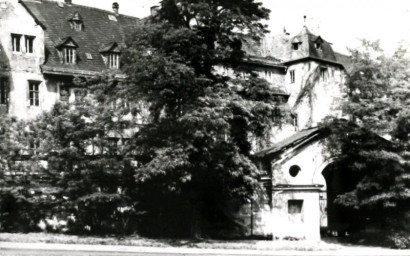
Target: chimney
[
  {"x": 68, "y": 1},
  {"x": 154, "y": 10},
  {"x": 115, "y": 8}
]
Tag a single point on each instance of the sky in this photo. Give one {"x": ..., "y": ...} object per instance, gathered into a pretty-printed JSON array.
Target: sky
[{"x": 340, "y": 22}]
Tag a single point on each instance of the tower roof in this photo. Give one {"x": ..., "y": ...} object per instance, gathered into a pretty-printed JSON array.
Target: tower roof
[{"x": 310, "y": 45}]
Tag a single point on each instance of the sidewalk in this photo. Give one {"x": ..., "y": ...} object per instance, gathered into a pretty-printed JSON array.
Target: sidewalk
[{"x": 194, "y": 251}]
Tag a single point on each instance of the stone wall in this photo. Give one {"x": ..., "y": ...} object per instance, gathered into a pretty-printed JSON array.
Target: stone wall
[{"x": 318, "y": 91}]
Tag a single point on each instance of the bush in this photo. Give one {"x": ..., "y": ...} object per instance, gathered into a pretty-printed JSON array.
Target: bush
[
  {"x": 17, "y": 214},
  {"x": 103, "y": 214},
  {"x": 399, "y": 240}
]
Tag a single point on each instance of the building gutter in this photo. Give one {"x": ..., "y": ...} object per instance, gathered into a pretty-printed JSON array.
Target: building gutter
[{"x": 312, "y": 58}]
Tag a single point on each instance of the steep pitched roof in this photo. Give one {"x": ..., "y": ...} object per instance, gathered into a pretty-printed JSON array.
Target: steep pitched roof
[
  {"x": 345, "y": 60},
  {"x": 279, "y": 47},
  {"x": 311, "y": 46},
  {"x": 291, "y": 141},
  {"x": 100, "y": 29}
]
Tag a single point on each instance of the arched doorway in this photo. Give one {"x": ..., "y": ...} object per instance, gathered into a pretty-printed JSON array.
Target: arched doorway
[{"x": 341, "y": 220}]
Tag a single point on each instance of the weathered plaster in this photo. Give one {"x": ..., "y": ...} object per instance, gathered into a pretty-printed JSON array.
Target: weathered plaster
[
  {"x": 23, "y": 66},
  {"x": 323, "y": 98},
  {"x": 308, "y": 185}
]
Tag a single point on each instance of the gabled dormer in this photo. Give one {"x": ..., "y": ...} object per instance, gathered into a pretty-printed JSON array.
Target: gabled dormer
[
  {"x": 111, "y": 55},
  {"x": 307, "y": 45},
  {"x": 296, "y": 43},
  {"x": 76, "y": 22},
  {"x": 67, "y": 50},
  {"x": 318, "y": 43}
]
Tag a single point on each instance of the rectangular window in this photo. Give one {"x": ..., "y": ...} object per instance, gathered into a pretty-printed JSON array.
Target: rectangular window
[
  {"x": 15, "y": 42},
  {"x": 78, "y": 26},
  {"x": 295, "y": 206},
  {"x": 34, "y": 93},
  {"x": 3, "y": 90},
  {"x": 114, "y": 60},
  {"x": 295, "y": 46},
  {"x": 323, "y": 73},
  {"x": 292, "y": 76},
  {"x": 295, "y": 121},
  {"x": 69, "y": 55},
  {"x": 29, "y": 43}
]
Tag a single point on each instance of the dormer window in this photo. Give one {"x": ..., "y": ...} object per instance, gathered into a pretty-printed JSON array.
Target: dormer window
[
  {"x": 69, "y": 55},
  {"x": 78, "y": 25},
  {"x": 114, "y": 60},
  {"x": 67, "y": 50},
  {"x": 76, "y": 22},
  {"x": 111, "y": 55},
  {"x": 296, "y": 43},
  {"x": 318, "y": 43}
]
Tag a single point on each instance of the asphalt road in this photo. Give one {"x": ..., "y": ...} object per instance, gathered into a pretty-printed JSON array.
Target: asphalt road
[
  {"x": 17, "y": 252},
  {"x": 27, "y": 249},
  {"x": 25, "y": 252}
]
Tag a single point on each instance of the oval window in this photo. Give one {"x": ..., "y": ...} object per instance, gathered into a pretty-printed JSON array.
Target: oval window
[{"x": 294, "y": 170}]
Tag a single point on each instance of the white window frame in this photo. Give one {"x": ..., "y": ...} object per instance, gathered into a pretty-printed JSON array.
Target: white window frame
[
  {"x": 77, "y": 25},
  {"x": 69, "y": 55},
  {"x": 114, "y": 60},
  {"x": 34, "y": 93}
]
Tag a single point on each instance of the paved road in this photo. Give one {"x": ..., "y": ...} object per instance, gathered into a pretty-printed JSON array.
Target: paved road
[
  {"x": 27, "y": 249},
  {"x": 24, "y": 252}
]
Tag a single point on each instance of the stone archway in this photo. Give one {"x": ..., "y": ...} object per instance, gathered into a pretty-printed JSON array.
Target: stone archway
[{"x": 341, "y": 220}]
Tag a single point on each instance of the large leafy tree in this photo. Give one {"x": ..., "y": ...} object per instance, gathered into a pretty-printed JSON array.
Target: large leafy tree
[
  {"x": 88, "y": 175},
  {"x": 20, "y": 208},
  {"x": 195, "y": 147},
  {"x": 374, "y": 142}
]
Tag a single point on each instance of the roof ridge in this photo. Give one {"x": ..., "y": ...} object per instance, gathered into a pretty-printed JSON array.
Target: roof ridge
[{"x": 85, "y": 6}]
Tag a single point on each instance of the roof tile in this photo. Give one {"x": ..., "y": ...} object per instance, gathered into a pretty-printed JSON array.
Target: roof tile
[{"x": 98, "y": 32}]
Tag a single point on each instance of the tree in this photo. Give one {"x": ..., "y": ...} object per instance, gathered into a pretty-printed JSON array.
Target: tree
[
  {"x": 88, "y": 178},
  {"x": 195, "y": 149},
  {"x": 374, "y": 143},
  {"x": 19, "y": 205}
]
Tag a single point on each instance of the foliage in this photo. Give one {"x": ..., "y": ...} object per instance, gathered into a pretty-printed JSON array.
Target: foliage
[
  {"x": 374, "y": 143},
  {"x": 195, "y": 148},
  {"x": 191, "y": 158},
  {"x": 19, "y": 204},
  {"x": 88, "y": 176}
]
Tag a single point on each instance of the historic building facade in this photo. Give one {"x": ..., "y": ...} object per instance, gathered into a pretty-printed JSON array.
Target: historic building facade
[
  {"x": 313, "y": 77},
  {"x": 45, "y": 44}
]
